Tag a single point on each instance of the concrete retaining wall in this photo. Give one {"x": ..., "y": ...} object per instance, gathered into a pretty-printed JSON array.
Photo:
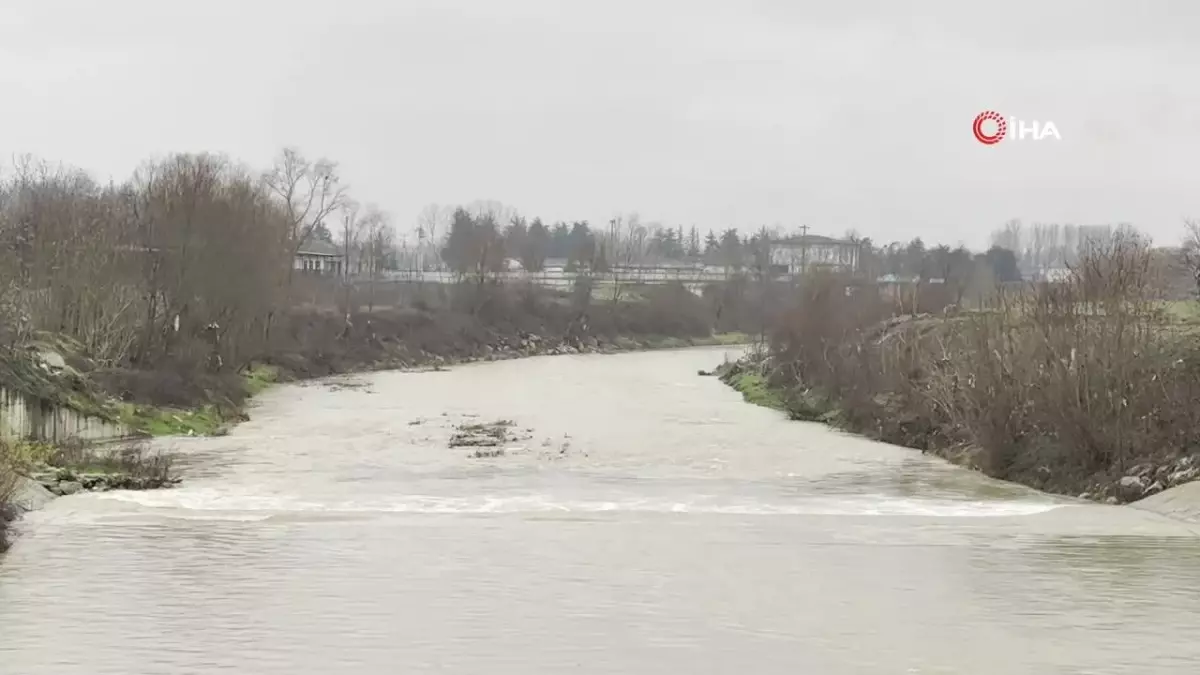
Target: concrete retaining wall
[{"x": 25, "y": 417}]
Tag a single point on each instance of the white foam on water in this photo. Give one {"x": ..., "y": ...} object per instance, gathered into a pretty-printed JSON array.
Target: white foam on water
[{"x": 248, "y": 506}]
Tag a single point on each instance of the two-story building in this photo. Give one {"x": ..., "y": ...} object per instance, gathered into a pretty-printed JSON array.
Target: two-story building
[{"x": 805, "y": 252}]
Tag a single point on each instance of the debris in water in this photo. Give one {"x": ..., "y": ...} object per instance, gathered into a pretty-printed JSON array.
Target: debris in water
[
  {"x": 343, "y": 384},
  {"x": 485, "y": 435}
]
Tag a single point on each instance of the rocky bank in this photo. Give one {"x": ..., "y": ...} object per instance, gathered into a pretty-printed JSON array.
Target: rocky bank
[
  {"x": 46, "y": 483},
  {"x": 62, "y": 482}
]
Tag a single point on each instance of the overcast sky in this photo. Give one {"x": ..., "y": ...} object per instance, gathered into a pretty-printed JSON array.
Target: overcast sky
[{"x": 733, "y": 113}]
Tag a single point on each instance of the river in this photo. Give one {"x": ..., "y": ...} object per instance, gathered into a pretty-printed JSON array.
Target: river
[{"x": 652, "y": 523}]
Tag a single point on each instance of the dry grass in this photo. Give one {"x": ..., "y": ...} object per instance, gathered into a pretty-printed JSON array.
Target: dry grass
[
  {"x": 7, "y": 485},
  {"x": 1064, "y": 386},
  {"x": 136, "y": 461},
  {"x": 465, "y": 320}
]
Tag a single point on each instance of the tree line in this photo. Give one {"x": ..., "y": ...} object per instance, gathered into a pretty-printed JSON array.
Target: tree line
[
  {"x": 191, "y": 258},
  {"x": 487, "y": 238},
  {"x": 487, "y": 235}
]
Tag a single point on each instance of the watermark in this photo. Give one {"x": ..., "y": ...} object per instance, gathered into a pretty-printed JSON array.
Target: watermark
[{"x": 990, "y": 127}]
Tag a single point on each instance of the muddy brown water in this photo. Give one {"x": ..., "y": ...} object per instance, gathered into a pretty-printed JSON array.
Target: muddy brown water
[{"x": 651, "y": 522}]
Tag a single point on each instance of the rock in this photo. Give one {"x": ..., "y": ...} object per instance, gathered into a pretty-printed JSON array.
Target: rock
[
  {"x": 1085, "y": 495},
  {"x": 1112, "y": 500},
  {"x": 70, "y": 487},
  {"x": 1154, "y": 489},
  {"x": 1181, "y": 477},
  {"x": 1140, "y": 471},
  {"x": 30, "y": 495},
  {"x": 1130, "y": 482},
  {"x": 94, "y": 481},
  {"x": 1131, "y": 487},
  {"x": 52, "y": 361}
]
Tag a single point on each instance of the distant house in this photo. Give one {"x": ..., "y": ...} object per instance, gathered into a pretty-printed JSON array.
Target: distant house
[
  {"x": 554, "y": 264},
  {"x": 897, "y": 288},
  {"x": 319, "y": 257},
  {"x": 1049, "y": 274},
  {"x": 799, "y": 254}
]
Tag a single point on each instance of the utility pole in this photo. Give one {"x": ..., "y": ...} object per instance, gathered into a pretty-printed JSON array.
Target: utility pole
[{"x": 803, "y": 249}]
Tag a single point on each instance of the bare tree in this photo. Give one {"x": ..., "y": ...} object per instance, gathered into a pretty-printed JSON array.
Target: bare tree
[
  {"x": 626, "y": 248},
  {"x": 1070, "y": 244},
  {"x": 177, "y": 266},
  {"x": 1191, "y": 251},
  {"x": 1040, "y": 247},
  {"x": 310, "y": 191},
  {"x": 429, "y": 221},
  {"x": 378, "y": 244},
  {"x": 1011, "y": 236},
  {"x": 351, "y": 235}
]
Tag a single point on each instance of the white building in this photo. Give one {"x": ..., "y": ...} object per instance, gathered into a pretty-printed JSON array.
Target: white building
[
  {"x": 319, "y": 257},
  {"x": 812, "y": 251}
]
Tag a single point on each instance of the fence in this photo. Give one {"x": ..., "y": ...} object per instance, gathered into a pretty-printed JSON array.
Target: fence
[{"x": 563, "y": 279}]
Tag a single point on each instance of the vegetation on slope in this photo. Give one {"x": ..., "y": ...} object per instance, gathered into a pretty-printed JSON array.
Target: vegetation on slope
[{"x": 1080, "y": 386}]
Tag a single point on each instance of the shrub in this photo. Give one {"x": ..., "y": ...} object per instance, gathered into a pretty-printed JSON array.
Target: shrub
[{"x": 1059, "y": 385}]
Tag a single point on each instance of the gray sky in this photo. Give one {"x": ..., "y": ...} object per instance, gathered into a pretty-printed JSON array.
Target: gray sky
[{"x": 833, "y": 114}]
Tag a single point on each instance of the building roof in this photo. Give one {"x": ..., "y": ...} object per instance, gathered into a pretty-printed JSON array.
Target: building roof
[
  {"x": 811, "y": 240},
  {"x": 318, "y": 247},
  {"x": 896, "y": 279}
]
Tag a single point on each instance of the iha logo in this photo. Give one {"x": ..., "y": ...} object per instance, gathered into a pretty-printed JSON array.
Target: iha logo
[{"x": 990, "y": 128}]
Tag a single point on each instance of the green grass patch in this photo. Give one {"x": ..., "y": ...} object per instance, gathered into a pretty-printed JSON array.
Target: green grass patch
[
  {"x": 259, "y": 378},
  {"x": 205, "y": 421},
  {"x": 663, "y": 342},
  {"x": 754, "y": 389},
  {"x": 667, "y": 342},
  {"x": 1183, "y": 311}
]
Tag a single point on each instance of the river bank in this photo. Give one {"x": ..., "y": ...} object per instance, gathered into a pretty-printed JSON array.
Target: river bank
[
  {"x": 32, "y": 474},
  {"x": 759, "y": 382},
  {"x": 199, "y": 386},
  {"x": 212, "y": 418},
  {"x": 39, "y": 472}
]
